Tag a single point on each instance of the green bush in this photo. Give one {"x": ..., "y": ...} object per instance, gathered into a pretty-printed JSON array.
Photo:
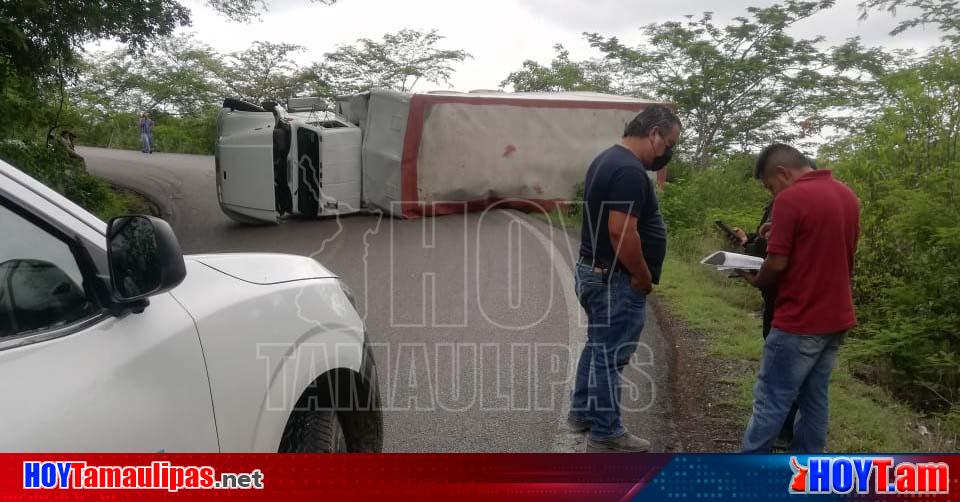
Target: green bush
[
  {"x": 905, "y": 168},
  {"x": 52, "y": 167},
  {"x": 725, "y": 191},
  {"x": 172, "y": 134}
]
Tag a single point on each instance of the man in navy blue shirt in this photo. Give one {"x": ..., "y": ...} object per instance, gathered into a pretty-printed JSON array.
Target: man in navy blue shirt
[{"x": 622, "y": 248}]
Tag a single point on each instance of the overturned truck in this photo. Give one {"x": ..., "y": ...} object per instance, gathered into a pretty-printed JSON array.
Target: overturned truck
[{"x": 410, "y": 155}]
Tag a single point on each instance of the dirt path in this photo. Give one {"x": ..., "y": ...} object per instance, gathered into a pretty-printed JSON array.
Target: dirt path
[{"x": 702, "y": 419}]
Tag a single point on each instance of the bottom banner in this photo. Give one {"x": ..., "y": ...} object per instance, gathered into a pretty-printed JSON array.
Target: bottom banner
[{"x": 586, "y": 477}]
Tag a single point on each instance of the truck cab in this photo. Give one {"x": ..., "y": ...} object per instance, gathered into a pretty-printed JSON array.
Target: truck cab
[{"x": 310, "y": 157}]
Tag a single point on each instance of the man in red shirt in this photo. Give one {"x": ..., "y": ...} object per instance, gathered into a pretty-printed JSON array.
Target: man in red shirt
[{"x": 810, "y": 252}]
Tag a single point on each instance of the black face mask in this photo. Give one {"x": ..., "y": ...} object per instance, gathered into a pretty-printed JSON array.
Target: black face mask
[{"x": 661, "y": 161}]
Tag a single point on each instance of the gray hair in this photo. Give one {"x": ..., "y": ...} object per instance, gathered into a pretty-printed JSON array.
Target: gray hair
[{"x": 652, "y": 116}]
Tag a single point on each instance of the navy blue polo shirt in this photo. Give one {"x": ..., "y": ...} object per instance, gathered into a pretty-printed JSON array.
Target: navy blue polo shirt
[{"x": 617, "y": 180}]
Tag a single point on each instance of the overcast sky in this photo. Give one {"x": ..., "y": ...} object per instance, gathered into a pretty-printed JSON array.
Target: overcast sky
[{"x": 501, "y": 34}]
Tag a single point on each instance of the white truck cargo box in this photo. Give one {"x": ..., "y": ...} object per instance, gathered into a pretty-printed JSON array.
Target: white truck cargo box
[{"x": 439, "y": 153}]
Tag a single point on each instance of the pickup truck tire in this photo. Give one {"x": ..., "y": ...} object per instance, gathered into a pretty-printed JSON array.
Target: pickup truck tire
[
  {"x": 363, "y": 424},
  {"x": 331, "y": 419},
  {"x": 313, "y": 431}
]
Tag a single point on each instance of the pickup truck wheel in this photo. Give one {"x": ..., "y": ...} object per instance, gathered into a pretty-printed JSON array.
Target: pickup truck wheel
[
  {"x": 340, "y": 412},
  {"x": 313, "y": 431}
]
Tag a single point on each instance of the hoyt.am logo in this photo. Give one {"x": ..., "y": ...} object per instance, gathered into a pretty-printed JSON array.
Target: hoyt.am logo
[{"x": 872, "y": 475}]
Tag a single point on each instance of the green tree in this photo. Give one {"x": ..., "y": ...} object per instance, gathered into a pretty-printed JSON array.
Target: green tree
[
  {"x": 399, "y": 62},
  {"x": 37, "y": 36},
  {"x": 177, "y": 76},
  {"x": 563, "y": 74},
  {"x": 943, "y": 13},
  {"x": 737, "y": 86},
  {"x": 174, "y": 79},
  {"x": 265, "y": 71},
  {"x": 905, "y": 167},
  {"x": 246, "y": 11},
  {"x": 852, "y": 91},
  {"x": 41, "y": 40}
]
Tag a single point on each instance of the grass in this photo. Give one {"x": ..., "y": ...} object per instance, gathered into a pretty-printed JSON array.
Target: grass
[
  {"x": 568, "y": 219},
  {"x": 122, "y": 201},
  {"x": 863, "y": 418},
  {"x": 52, "y": 167}
]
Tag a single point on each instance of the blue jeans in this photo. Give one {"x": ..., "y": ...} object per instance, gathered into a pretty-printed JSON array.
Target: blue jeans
[
  {"x": 147, "y": 139},
  {"x": 615, "y": 312},
  {"x": 794, "y": 368}
]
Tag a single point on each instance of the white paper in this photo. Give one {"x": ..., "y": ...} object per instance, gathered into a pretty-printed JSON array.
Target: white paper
[{"x": 724, "y": 260}]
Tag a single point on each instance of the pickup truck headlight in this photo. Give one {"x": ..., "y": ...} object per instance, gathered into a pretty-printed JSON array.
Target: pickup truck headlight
[{"x": 349, "y": 294}]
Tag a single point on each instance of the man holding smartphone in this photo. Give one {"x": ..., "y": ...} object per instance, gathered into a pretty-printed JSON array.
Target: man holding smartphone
[
  {"x": 623, "y": 244},
  {"x": 810, "y": 254},
  {"x": 755, "y": 244}
]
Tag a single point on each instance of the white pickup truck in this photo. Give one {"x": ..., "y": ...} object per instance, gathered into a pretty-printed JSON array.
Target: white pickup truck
[{"x": 112, "y": 340}]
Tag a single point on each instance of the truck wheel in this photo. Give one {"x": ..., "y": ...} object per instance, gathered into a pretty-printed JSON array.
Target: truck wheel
[
  {"x": 313, "y": 431},
  {"x": 241, "y": 105}
]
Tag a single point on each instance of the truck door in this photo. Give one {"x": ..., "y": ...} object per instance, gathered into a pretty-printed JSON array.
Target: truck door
[{"x": 245, "y": 159}]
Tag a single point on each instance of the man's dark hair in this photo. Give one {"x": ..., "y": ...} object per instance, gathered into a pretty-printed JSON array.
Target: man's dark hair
[
  {"x": 779, "y": 154},
  {"x": 652, "y": 116}
]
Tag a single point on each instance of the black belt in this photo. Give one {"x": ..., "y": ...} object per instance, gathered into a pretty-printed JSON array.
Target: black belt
[{"x": 599, "y": 266}]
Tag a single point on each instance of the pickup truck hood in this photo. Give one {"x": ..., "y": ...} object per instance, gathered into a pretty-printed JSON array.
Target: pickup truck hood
[{"x": 264, "y": 268}]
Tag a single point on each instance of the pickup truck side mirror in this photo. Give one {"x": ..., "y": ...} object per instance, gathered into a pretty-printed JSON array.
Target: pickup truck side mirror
[{"x": 144, "y": 257}]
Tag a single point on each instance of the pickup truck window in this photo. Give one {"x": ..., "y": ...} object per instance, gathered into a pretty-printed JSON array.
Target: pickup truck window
[{"x": 39, "y": 279}]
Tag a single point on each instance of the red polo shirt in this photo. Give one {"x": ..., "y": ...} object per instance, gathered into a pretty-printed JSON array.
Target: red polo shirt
[{"x": 816, "y": 223}]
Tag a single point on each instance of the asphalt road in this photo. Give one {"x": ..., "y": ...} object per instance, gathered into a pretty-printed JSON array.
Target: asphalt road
[{"x": 474, "y": 316}]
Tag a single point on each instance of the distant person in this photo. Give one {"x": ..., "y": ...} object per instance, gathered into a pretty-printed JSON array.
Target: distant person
[
  {"x": 814, "y": 228},
  {"x": 66, "y": 141},
  {"x": 622, "y": 248},
  {"x": 146, "y": 132}
]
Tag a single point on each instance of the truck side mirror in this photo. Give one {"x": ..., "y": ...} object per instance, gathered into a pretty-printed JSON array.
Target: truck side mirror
[{"x": 144, "y": 257}]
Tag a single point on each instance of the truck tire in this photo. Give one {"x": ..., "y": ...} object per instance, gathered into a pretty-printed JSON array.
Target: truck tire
[
  {"x": 241, "y": 105},
  {"x": 313, "y": 431}
]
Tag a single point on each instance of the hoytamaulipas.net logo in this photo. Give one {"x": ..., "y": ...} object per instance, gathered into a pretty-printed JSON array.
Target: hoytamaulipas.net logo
[
  {"x": 159, "y": 475},
  {"x": 868, "y": 475}
]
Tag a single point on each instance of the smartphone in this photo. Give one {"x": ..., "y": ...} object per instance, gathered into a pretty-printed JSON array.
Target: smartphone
[{"x": 726, "y": 229}]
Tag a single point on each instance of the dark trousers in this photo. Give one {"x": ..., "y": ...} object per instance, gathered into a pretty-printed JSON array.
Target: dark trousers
[{"x": 616, "y": 312}]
